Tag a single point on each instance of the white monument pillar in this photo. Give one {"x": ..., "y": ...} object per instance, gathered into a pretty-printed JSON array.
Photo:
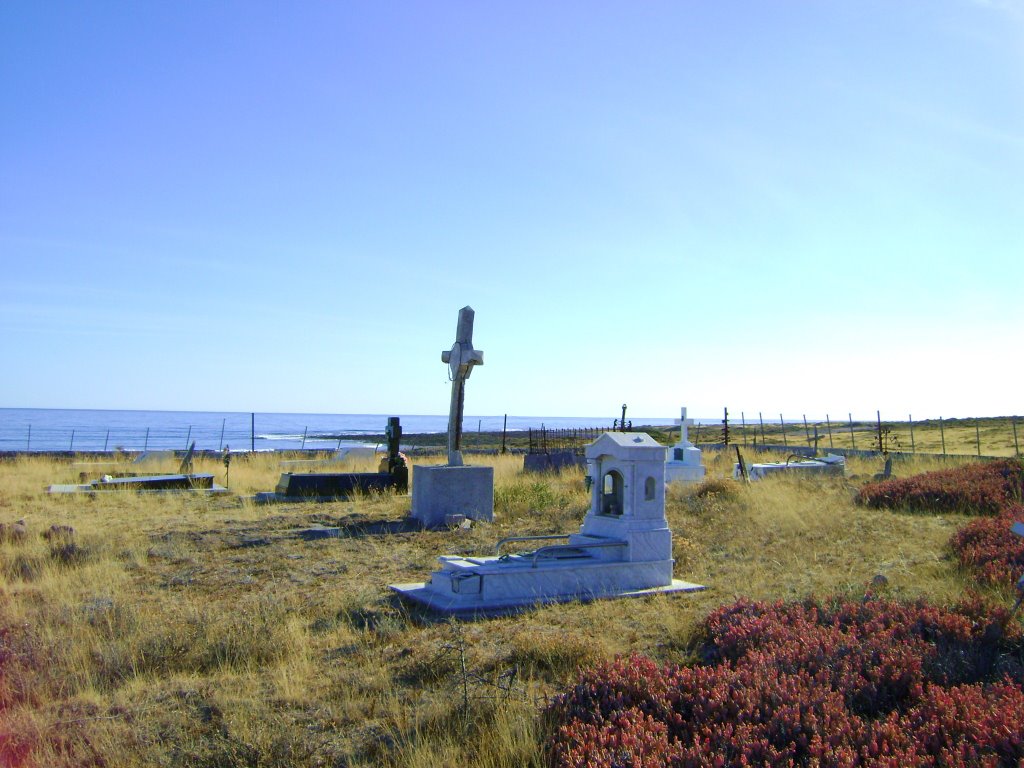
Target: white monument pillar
[{"x": 684, "y": 462}]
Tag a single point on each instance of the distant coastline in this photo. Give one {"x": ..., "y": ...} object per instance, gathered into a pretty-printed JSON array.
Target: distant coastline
[{"x": 85, "y": 430}]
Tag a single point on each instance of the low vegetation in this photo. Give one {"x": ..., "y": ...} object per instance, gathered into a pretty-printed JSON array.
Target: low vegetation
[
  {"x": 177, "y": 630},
  {"x": 992, "y": 490},
  {"x": 867, "y": 683},
  {"x": 972, "y": 489}
]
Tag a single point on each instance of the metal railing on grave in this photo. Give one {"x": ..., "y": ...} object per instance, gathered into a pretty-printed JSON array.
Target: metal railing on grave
[{"x": 545, "y": 440}]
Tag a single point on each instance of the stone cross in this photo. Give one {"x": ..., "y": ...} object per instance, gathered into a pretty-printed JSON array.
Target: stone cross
[
  {"x": 460, "y": 358},
  {"x": 684, "y": 428}
]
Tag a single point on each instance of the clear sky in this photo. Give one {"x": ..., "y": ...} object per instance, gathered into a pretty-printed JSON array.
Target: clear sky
[{"x": 797, "y": 207}]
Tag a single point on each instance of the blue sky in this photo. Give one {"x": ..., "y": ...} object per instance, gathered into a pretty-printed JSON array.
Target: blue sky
[{"x": 797, "y": 207}]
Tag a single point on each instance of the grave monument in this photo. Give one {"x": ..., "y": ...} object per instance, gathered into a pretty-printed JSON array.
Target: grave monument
[
  {"x": 685, "y": 464},
  {"x": 327, "y": 486},
  {"x": 802, "y": 466},
  {"x": 623, "y": 548},
  {"x": 441, "y": 492}
]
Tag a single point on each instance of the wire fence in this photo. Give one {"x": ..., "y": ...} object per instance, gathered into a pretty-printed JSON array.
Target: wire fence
[
  {"x": 982, "y": 436},
  {"x": 545, "y": 440},
  {"x": 237, "y": 436}
]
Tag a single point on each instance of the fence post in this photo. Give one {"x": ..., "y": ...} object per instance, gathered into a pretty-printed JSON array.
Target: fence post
[
  {"x": 743, "y": 421},
  {"x": 222, "y": 423},
  {"x": 829, "y": 425},
  {"x": 188, "y": 436},
  {"x": 762, "y": 428},
  {"x": 504, "y": 429},
  {"x": 304, "y": 430},
  {"x": 977, "y": 435},
  {"x": 145, "y": 444},
  {"x": 942, "y": 435},
  {"x": 881, "y": 448},
  {"x": 106, "y": 441},
  {"x": 853, "y": 437},
  {"x": 910, "y": 420},
  {"x": 72, "y": 446},
  {"x": 1013, "y": 423},
  {"x": 807, "y": 432},
  {"x": 782, "y": 424}
]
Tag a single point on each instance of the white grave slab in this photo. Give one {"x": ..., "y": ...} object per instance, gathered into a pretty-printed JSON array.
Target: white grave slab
[
  {"x": 825, "y": 465},
  {"x": 623, "y": 548},
  {"x": 684, "y": 463}
]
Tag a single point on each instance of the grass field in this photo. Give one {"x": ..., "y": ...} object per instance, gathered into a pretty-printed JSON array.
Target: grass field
[
  {"x": 204, "y": 631},
  {"x": 992, "y": 436}
]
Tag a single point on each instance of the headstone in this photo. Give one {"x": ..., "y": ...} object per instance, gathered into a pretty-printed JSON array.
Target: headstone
[
  {"x": 455, "y": 489},
  {"x": 684, "y": 464},
  {"x": 623, "y": 548}
]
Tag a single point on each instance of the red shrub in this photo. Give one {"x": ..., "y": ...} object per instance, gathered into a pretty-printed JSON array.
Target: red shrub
[
  {"x": 845, "y": 684},
  {"x": 979, "y": 489},
  {"x": 993, "y": 489},
  {"x": 988, "y": 546}
]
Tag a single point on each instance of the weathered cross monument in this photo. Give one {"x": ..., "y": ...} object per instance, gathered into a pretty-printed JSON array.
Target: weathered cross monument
[
  {"x": 438, "y": 492},
  {"x": 461, "y": 359}
]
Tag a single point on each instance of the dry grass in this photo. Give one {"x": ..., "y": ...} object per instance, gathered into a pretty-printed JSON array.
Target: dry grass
[{"x": 195, "y": 631}]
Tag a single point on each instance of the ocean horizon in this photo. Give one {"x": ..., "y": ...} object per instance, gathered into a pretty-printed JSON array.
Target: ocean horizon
[{"x": 86, "y": 430}]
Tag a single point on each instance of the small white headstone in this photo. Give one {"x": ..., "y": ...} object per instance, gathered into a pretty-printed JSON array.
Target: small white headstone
[{"x": 684, "y": 462}]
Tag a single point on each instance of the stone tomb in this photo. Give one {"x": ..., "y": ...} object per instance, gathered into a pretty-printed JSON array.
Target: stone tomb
[
  {"x": 327, "y": 486},
  {"x": 442, "y": 493},
  {"x": 795, "y": 465},
  {"x": 623, "y": 549},
  {"x": 184, "y": 480},
  {"x": 685, "y": 465}
]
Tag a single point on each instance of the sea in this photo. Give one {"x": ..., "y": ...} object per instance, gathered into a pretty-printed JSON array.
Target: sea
[{"x": 59, "y": 429}]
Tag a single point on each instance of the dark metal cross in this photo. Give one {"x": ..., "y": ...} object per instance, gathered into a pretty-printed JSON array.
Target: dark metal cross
[{"x": 460, "y": 358}]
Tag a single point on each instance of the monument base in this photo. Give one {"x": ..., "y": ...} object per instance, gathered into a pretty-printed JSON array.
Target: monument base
[
  {"x": 438, "y": 492},
  {"x": 491, "y": 586},
  {"x": 677, "y": 471}
]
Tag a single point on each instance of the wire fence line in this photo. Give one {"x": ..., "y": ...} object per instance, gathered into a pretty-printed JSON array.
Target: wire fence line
[
  {"x": 981, "y": 436},
  {"x": 132, "y": 439}
]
